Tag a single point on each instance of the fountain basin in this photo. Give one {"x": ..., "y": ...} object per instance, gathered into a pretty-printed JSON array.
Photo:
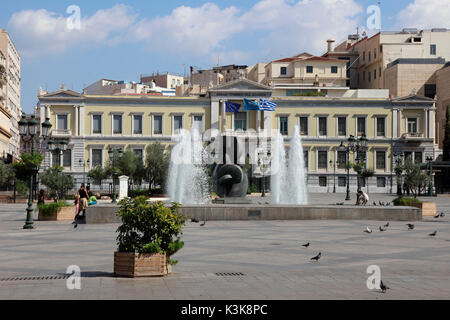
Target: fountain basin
[{"x": 222, "y": 212}]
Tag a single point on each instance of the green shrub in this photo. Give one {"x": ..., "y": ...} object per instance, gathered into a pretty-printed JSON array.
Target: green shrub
[
  {"x": 252, "y": 189},
  {"x": 138, "y": 192},
  {"x": 404, "y": 201},
  {"x": 149, "y": 227},
  {"x": 49, "y": 209}
]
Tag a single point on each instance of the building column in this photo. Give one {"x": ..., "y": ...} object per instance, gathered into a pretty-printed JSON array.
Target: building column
[
  {"x": 76, "y": 120},
  {"x": 399, "y": 129},
  {"x": 81, "y": 130},
  {"x": 425, "y": 123},
  {"x": 215, "y": 115},
  {"x": 223, "y": 121},
  {"x": 258, "y": 121},
  {"x": 267, "y": 115},
  {"x": 431, "y": 122},
  {"x": 394, "y": 124}
]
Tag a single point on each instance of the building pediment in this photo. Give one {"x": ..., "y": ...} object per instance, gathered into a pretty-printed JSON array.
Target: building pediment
[
  {"x": 241, "y": 86},
  {"x": 65, "y": 94},
  {"x": 414, "y": 98}
]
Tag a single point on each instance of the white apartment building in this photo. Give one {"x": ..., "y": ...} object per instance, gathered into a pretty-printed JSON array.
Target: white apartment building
[{"x": 11, "y": 90}]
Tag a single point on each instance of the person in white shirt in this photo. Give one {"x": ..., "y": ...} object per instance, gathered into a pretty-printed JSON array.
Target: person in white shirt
[{"x": 362, "y": 198}]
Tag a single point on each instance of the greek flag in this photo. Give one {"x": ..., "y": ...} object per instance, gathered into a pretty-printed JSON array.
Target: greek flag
[
  {"x": 232, "y": 107},
  {"x": 267, "y": 105}
]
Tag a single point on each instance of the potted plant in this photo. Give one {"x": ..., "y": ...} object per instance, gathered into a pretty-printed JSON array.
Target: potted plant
[
  {"x": 148, "y": 237},
  {"x": 56, "y": 211}
]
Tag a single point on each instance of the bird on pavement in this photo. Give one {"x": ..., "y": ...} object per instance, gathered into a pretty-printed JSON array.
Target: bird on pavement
[
  {"x": 306, "y": 245},
  {"x": 368, "y": 230},
  {"x": 442, "y": 214},
  {"x": 381, "y": 229},
  {"x": 317, "y": 257},
  {"x": 374, "y": 203},
  {"x": 203, "y": 223},
  {"x": 386, "y": 225},
  {"x": 433, "y": 233},
  {"x": 410, "y": 226},
  {"x": 388, "y": 204},
  {"x": 437, "y": 216},
  {"x": 383, "y": 287},
  {"x": 195, "y": 220},
  {"x": 379, "y": 202},
  {"x": 75, "y": 225}
]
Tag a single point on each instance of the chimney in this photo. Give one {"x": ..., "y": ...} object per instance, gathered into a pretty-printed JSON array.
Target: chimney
[{"x": 330, "y": 45}]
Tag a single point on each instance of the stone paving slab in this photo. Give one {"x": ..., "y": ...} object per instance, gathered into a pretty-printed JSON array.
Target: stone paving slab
[{"x": 269, "y": 253}]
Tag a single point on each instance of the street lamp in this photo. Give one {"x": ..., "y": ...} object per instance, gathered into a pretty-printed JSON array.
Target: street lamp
[
  {"x": 398, "y": 159},
  {"x": 430, "y": 162},
  {"x": 112, "y": 159},
  {"x": 82, "y": 163},
  {"x": 264, "y": 164},
  {"x": 354, "y": 145},
  {"x": 28, "y": 129},
  {"x": 59, "y": 146}
]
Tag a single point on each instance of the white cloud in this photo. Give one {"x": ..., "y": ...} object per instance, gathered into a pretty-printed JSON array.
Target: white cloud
[
  {"x": 425, "y": 14},
  {"x": 269, "y": 29},
  {"x": 41, "y": 31}
]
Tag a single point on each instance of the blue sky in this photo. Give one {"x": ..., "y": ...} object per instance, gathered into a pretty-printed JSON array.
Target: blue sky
[{"x": 122, "y": 39}]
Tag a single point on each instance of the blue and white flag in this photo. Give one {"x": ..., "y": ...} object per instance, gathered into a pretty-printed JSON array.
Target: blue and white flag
[
  {"x": 267, "y": 105},
  {"x": 232, "y": 107},
  {"x": 250, "y": 105}
]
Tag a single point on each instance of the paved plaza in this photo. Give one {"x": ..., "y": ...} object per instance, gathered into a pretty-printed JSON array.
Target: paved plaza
[{"x": 268, "y": 256}]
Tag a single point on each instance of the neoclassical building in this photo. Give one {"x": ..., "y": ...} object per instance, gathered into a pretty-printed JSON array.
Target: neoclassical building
[{"x": 92, "y": 124}]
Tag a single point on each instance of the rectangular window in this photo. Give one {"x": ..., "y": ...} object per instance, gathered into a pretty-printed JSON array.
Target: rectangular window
[
  {"x": 177, "y": 123},
  {"x": 369, "y": 56},
  {"x": 364, "y": 56},
  {"x": 334, "y": 69},
  {"x": 137, "y": 124},
  {"x": 284, "y": 126},
  {"x": 342, "y": 126},
  {"x": 432, "y": 49},
  {"x": 412, "y": 125},
  {"x": 157, "y": 124},
  {"x": 67, "y": 158},
  {"x": 198, "y": 123},
  {"x": 374, "y": 53},
  {"x": 96, "y": 124},
  {"x": 370, "y": 74},
  {"x": 381, "y": 49},
  {"x": 430, "y": 90},
  {"x": 309, "y": 69},
  {"x": 341, "y": 159},
  {"x": 379, "y": 72},
  {"x": 117, "y": 120},
  {"x": 62, "y": 122},
  {"x": 139, "y": 153},
  {"x": 381, "y": 130},
  {"x": 322, "y": 159},
  {"x": 283, "y": 70},
  {"x": 97, "y": 157},
  {"x": 304, "y": 126},
  {"x": 305, "y": 158},
  {"x": 342, "y": 181},
  {"x": 240, "y": 121},
  {"x": 381, "y": 160},
  {"x": 322, "y": 126},
  {"x": 408, "y": 155},
  {"x": 417, "y": 157},
  {"x": 322, "y": 181},
  {"x": 381, "y": 182},
  {"x": 374, "y": 74},
  {"x": 361, "y": 124}
]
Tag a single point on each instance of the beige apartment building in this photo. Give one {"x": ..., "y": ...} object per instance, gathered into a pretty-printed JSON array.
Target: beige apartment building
[
  {"x": 167, "y": 80},
  {"x": 10, "y": 93},
  {"x": 443, "y": 100}
]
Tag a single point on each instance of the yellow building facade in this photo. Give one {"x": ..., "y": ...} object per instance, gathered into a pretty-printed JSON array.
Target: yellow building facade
[{"x": 93, "y": 124}]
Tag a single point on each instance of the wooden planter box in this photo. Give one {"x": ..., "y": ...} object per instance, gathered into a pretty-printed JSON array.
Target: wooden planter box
[
  {"x": 129, "y": 264},
  {"x": 428, "y": 208},
  {"x": 63, "y": 214}
]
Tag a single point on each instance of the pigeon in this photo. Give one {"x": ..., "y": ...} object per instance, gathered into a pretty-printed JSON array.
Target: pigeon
[
  {"x": 75, "y": 225},
  {"x": 381, "y": 229},
  {"x": 203, "y": 223},
  {"x": 368, "y": 230},
  {"x": 433, "y": 234},
  {"x": 306, "y": 245},
  {"x": 442, "y": 214},
  {"x": 374, "y": 203},
  {"x": 437, "y": 216},
  {"x": 383, "y": 287},
  {"x": 388, "y": 204},
  {"x": 317, "y": 257},
  {"x": 195, "y": 220},
  {"x": 410, "y": 226},
  {"x": 386, "y": 225},
  {"x": 379, "y": 202}
]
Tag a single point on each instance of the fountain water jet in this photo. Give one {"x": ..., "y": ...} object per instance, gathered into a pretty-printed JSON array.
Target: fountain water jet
[
  {"x": 288, "y": 183},
  {"x": 188, "y": 181}
]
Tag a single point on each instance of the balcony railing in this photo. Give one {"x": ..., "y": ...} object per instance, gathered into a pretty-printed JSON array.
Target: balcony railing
[
  {"x": 61, "y": 132},
  {"x": 413, "y": 135}
]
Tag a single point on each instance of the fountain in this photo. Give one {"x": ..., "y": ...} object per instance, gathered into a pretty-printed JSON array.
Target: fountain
[
  {"x": 288, "y": 184},
  {"x": 188, "y": 181}
]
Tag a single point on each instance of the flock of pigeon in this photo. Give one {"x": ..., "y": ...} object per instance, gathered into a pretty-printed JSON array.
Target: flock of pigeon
[
  {"x": 195, "y": 220},
  {"x": 383, "y": 228}
]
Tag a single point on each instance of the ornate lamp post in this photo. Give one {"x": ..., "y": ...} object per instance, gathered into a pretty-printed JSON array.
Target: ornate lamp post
[
  {"x": 112, "y": 159},
  {"x": 60, "y": 146},
  {"x": 398, "y": 159},
  {"x": 28, "y": 130},
  {"x": 430, "y": 162}
]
